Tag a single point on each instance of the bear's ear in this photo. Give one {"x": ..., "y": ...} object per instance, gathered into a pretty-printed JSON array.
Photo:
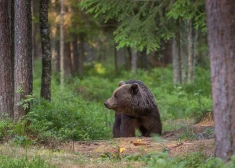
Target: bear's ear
[
  {"x": 134, "y": 88},
  {"x": 121, "y": 83}
]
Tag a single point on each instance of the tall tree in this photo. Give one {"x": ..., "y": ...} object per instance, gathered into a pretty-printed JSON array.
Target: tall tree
[
  {"x": 190, "y": 52},
  {"x": 81, "y": 55},
  {"x": 55, "y": 35},
  {"x": 6, "y": 62},
  {"x": 46, "y": 50},
  {"x": 182, "y": 54},
  {"x": 62, "y": 43},
  {"x": 221, "y": 38},
  {"x": 23, "y": 55},
  {"x": 176, "y": 63},
  {"x": 133, "y": 60}
]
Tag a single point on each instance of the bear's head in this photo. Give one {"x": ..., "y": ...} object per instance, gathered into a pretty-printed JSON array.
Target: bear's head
[{"x": 124, "y": 98}]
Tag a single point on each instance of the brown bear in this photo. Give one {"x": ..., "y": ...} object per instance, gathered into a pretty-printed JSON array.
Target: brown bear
[{"x": 135, "y": 108}]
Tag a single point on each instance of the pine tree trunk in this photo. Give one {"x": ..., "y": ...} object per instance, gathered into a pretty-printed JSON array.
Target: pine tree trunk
[
  {"x": 190, "y": 52},
  {"x": 80, "y": 58},
  {"x": 133, "y": 60},
  {"x": 23, "y": 55},
  {"x": 143, "y": 60},
  {"x": 115, "y": 58},
  {"x": 75, "y": 54},
  {"x": 221, "y": 38},
  {"x": 46, "y": 50},
  {"x": 62, "y": 44},
  {"x": 67, "y": 60},
  {"x": 195, "y": 52},
  {"x": 182, "y": 57},
  {"x": 176, "y": 63},
  {"x": 6, "y": 63},
  {"x": 128, "y": 59},
  {"x": 55, "y": 41}
]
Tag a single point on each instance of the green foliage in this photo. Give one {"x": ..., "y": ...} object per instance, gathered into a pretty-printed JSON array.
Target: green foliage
[
  {"x": 77, "y": 111},
  {"x": 143, "y": 24},
  {"x": 35, "y": 162},
  {"x": 187, "y": 9},
  {"x": 138, "y": 20},
  {"x": 69, "y": 117},
  {"x": 22, "y": 140},
  {"x": 5, "y": 125}
]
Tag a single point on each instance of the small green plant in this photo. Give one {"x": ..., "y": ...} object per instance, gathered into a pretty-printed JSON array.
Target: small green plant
[
  {"x": 5, "y": 125},
  {"x": 187, "y": 134},
  {"x": 23, "y": 140},
  {"x": 35, "y": 162},
  {"x": 24, "y": 103}
]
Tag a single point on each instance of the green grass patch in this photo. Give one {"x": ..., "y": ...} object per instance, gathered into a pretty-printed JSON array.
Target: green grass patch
[{"x": 35, "y": 162}]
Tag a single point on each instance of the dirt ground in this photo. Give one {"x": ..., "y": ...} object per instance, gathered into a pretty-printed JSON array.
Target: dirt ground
[{"x": 202, "y": 141}]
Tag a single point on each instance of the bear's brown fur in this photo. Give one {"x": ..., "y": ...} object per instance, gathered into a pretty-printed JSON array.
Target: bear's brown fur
[{"x": 135, "y": 108}]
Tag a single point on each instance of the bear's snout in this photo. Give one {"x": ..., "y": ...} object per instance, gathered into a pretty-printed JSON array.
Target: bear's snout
[{"x": 106, "y": 105}]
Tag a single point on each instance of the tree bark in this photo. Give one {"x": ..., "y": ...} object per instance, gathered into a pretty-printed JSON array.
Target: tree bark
[
  {"x": 221, "y": 38},
  {"x": 133, "y": 60},
  {"x": 74, "y": 44},
  {"x": 23, "y": 55},
  {"x": 81, "y": 54},
  {"x": 190, "y": 52},
  {"x": 55, "y": 49},
  {"x": 67, "y": 60},
  {"x": 176, "y": 63},
  {"x": 115, "y": 58},
  {"x": 195, "y": 52},
  {"x": 143, "y": 59},
  {"x": 62, "y": 43},
  {"x": 182, "y": 55},
  {"x": 128, "y": 59},
  {"x": 55, "y": 40},
  {"x": 46, "y": 50},
  {"x": 6, "y": 63}
]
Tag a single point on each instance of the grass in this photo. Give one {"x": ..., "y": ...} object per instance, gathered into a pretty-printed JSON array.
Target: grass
[{"x": 13, "y": 156}]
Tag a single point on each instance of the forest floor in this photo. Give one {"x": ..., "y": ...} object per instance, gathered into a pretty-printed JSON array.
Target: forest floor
[{"x": 110, "y": 153}]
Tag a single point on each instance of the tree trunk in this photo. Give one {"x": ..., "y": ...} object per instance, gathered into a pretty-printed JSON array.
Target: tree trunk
[
  {"x": 80, "y": 58},
  {"x": 133, "y": 60},
  {"x": 55, "y": 49},
  {"x": 75, "y": 53},
  {"x": 62, "y": 44},
  {"x": 176, "y": 63},
  {"x": 167, "y": 53},
  {"x": 67, "y": 60},
  {"x": 6, "y": 63},
  {"x": 46, "y": 51},
  {"x": 23, "y": 55},
  {"x": 190, "y": 52},
  {"x": 36, "y": 47},
  {"x": 115, "y": 58},
  {"x": 182, "y": 55},
  {"x": 195, "y": 52},
  {"x": 221, "y": 38},
  {"x": 143, "y": 60},
  {"x": 55, "y": 41},
  {"x": 128, "y": 59}
]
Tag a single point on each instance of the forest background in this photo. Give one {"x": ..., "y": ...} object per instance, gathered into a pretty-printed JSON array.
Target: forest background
[{"x": 88, "y": 47}]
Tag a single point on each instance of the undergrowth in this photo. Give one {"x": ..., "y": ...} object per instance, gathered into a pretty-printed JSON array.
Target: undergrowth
[
  {"x": 76, "y": 112},
  {"x": 35, "y": 162},
  {"x": 164, "y": 160}
]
